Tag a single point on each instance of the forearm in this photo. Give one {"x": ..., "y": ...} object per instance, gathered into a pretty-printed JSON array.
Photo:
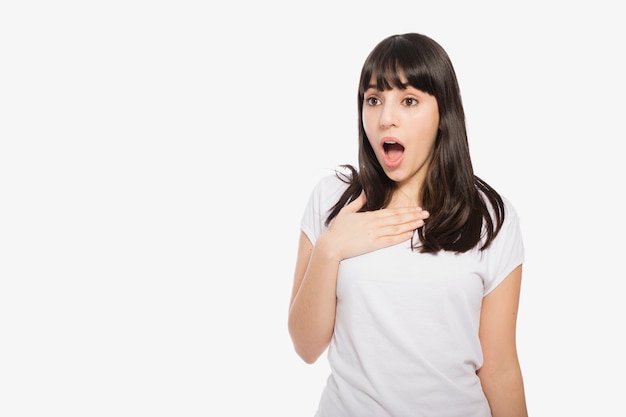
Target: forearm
[
  {"x": 312, "y": 312},
  {"x": 505, "y": 392}
]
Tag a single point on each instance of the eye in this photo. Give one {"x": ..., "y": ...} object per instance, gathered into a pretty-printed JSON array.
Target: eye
[
  {"x": 372, "y": 101},
  {"x": 410, "y": 101}
]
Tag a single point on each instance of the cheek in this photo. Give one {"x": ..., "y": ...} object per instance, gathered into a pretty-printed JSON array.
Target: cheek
[
  {"x": 427, "y": 126},
  {"x": 364, "y": 121},
  {"x": 369, "y": 123}
]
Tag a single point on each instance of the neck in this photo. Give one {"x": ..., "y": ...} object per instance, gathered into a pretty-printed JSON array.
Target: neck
[{"x": 405, "y": 196}]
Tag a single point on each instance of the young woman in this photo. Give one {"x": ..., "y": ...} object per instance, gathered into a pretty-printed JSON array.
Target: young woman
[{"x": 409, "y": 268}]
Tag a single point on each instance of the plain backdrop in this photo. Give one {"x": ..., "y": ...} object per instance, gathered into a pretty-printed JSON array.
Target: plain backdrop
[{"x": 156, "y": 157}]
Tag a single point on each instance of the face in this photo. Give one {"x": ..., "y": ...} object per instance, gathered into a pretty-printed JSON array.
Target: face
[{"x": 401, "y": 126}]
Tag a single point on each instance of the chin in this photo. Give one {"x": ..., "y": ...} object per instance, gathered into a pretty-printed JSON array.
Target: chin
[{"x": 394, "y": 176}]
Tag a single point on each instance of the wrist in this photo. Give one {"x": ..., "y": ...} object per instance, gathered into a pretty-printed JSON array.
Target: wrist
[{"x": 326, "y": 250}]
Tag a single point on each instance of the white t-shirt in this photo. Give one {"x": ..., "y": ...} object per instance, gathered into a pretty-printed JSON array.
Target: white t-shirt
[{"x": 405, "y": 342}]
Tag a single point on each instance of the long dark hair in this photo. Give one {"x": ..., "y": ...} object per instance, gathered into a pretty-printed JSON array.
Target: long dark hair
[{"x": 465, "y": 211}]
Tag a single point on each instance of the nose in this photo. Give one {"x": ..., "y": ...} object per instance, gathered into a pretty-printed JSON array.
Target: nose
[{"x": 388, "y": 116}]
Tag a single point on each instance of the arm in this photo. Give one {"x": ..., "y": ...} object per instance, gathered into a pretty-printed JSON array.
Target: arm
[
  {"x": 313, "y": 301},
  {"x": 313, "y": 297},
  {"x": 501, "y": 375}
]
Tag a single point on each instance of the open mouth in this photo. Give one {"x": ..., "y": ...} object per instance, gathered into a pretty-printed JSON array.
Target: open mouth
[{"x": 393, "y": 150}]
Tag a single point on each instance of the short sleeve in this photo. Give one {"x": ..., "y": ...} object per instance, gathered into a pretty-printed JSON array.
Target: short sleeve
[
  {"x": 324, "y": 196},
  {"x": 506, "y": 251}
]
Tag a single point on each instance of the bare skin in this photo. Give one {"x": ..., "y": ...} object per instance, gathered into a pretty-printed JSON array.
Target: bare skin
[
  {"x": 500, "y": 375},
  {"x": 408, "y": 118}
]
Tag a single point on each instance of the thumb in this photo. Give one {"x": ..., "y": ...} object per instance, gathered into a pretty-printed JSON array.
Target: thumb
[{"x": 357, "y": 203}]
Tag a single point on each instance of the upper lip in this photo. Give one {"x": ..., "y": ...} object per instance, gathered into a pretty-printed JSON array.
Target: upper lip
[{"x": 390, "y": 139}]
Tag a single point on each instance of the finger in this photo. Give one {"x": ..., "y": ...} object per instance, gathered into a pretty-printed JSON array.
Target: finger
[
  {"x": 398, "y": 223},
  {"x": 397, "y": 229},
  {"x": 357, "y": 203},
  {"x": 401, "y": 215}
]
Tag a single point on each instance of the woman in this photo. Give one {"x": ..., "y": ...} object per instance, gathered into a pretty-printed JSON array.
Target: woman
[{"x": 409, "y": 268}]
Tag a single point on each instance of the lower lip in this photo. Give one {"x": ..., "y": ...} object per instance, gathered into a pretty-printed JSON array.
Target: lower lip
[{"x": 392, "y": 164}]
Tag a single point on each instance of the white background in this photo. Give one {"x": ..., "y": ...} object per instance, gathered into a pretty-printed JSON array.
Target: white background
[{"x": 155, "y": 158}]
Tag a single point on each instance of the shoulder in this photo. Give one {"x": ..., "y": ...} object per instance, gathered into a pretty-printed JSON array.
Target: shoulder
[
  {"x": 497, "y": 204},
  {"x": 501, "y": 216},
  {"x": 509, "y": 230},
  {"x": 510, "y": 213},
  {"x": 331, "y": 187},
  {"x": 326, "y": 193}
]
